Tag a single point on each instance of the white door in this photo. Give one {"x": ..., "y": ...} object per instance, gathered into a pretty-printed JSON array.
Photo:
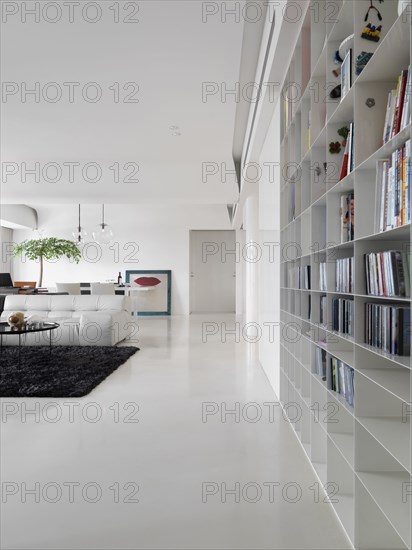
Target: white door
[{"x": 213, "y": 271}]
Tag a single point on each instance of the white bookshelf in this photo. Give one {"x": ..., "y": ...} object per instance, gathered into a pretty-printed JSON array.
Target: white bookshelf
[{"x": 365, "y": 449}]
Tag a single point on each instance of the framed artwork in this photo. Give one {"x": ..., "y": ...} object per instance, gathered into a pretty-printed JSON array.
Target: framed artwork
[
  {"x": 346, "y": 74},
  {"x": 151, "y": 289}
]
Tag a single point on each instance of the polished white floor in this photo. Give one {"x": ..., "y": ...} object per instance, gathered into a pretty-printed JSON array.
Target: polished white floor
[{"x": 168, "y": 455}]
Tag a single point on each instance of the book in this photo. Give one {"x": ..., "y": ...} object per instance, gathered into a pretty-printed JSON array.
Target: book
[
  {"x": 406, "y": 113},
  {"x": 387, "y": 327},
  {"x": 400, "y": 98},
  {"x": 397, "y": 115},
  {"x": 342, "y": 379},
  {"x": 351, "y": 159},
  {"x": 342, "y": 316},
  {"x": 320, "y": 363},
  {"x": 344, "y": 275},
  {"x": 387, "y": 273},
  {"x": 344, "y": 170},
  {"x": 347, "y": 217},
  {"x": 392, "y": 205}
]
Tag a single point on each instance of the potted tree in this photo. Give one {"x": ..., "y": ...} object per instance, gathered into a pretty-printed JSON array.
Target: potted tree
[{"x": 48, "y": 248}]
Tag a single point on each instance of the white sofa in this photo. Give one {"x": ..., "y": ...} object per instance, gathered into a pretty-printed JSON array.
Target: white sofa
[{"x": 84, "y": 320}]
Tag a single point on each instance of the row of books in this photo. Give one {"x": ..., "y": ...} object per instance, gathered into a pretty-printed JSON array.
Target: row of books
[
  {"x": 348, "y": 162},
  {"x": 347, "y": 217},
  {"x": 299, "y": 277},
  {"x": 387, "y": 273},
  {"x": 343, "y": 316},
  {"x": 342, "y": 379},
  {"x": 398, "y": 106},
  {"x": 387, "y": 327},
  {"x": 344, "y": 275},
  {"x": 393, "y": 196}
]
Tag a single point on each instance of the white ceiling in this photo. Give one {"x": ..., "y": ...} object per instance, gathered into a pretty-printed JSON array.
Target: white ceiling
[{"x": 169, "y": 54}]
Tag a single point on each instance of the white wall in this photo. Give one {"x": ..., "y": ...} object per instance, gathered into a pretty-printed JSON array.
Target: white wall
[
  {"x": 6, "y": 237},
  {"x": 156, "y": 236},
  {"x": 269, "y": 280}
]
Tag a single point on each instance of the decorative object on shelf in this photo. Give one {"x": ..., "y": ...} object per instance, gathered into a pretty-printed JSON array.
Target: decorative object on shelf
[
  {"x": 49, "y": 248},
  {"x": 336, "y": 92},
  {"x": 79, "y": 235},
  {"x": 334, "y": 147},
  {"x": 343, "y": 132},
  {"x": 361, "y": 61},
  {"x": 346, "y": 74},
  {"x": 373, "y": 7},
  {"x": 337, "y": 58},
  {"x": 370, "y": 102},
  {"x": 336, "y": 72},
  {"x": 103, "y": 233},
  {"x": 370, "y": 32},
  {"x": 16, "y": 320},
  {"x": 120, "y": 279}
]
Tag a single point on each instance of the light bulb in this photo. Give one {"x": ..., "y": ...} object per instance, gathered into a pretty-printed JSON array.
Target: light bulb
[
  {"x": 103, "y": 234},
  {"x": 79, "y": 236}
]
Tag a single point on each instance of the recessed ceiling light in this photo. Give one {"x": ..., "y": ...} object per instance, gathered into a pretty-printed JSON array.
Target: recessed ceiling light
[{"x": 173, "y": 127}]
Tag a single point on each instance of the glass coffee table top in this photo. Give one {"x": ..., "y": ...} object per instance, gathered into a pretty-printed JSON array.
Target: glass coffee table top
[{"x": 5, "y": 328}]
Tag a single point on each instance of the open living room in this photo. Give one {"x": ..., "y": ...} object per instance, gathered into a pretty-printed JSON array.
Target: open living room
[{"x": 205, "y": 279}]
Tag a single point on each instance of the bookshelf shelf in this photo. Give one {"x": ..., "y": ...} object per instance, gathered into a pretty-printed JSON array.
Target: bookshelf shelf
[
  {"x": 395, "y": 381},
  {"x": 385, "y": 488},
  {"x": 367, "y": 452},
  {"x": 393, "y": 434},
  {"x": 344, "y": 442}
]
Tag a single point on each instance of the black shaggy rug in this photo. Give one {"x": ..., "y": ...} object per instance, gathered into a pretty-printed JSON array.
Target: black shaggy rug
[{"x": 69, "y": 371}]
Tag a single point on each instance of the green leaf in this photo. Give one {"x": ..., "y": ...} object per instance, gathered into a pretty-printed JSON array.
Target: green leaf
[{"x": 49, "y": 248}]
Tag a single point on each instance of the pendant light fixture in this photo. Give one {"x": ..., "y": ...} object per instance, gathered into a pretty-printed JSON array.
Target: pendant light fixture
[
  {"x": 79, "y": 235},
  {"x": 103, "y": 233}
]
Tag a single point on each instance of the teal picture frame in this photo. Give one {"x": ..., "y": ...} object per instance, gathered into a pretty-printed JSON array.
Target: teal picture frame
[{"x": 153, "y": 272}]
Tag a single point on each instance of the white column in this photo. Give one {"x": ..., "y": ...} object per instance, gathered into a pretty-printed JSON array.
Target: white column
[{"x": 251, "y": 225}]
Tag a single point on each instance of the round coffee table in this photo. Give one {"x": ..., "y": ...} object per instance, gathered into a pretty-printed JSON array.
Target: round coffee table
[{"x": 7, "y": 330}]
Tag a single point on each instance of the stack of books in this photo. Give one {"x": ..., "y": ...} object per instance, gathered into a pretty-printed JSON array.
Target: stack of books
[
  {"x": 393, "y": 195},
  {"x": 322, "y": 277},
  {"x": 387, "y": 273},
  {"x": 342, "y": 316},
  {"x": 387, "y": 327},
  {"x": 398, "y": 107},
  {"x": 344, "y": 275},
  {"x": 320, "y": 363},
  {"x": 347, "y": 217},
  {"x": 342, "y": 379}
]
